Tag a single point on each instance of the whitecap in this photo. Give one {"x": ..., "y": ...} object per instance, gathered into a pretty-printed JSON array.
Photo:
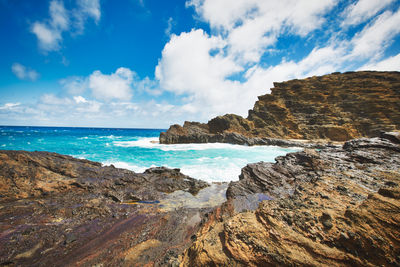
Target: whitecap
[
  {"x": 153, "y": 143},
  {"x": 128, "y": 166}
]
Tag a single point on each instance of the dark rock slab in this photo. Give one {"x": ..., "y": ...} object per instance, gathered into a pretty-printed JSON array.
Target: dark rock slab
[{"x": 56, "y": 210}]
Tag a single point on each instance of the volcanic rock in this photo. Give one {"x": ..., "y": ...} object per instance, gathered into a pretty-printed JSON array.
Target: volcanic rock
[
  {"x": 56, "y": 210},
  {"x": 336, "y": 107},
  {"x": 328, "y": 207}
]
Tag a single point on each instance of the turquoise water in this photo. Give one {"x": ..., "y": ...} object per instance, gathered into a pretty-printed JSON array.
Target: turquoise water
[{"x": 138, "y": 149}]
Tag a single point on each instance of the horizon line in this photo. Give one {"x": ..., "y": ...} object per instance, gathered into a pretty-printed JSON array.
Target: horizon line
[{"x": 96, "y": 127}]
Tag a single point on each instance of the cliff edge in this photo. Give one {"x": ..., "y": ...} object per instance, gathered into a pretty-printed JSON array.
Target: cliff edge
[{"x": 335, "y": 107}]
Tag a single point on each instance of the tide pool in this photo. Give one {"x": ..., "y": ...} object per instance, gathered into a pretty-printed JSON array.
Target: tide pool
[{"x": 138, "y": 149}]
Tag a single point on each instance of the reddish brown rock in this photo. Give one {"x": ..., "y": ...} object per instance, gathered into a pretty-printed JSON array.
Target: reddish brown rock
[
  {"x": 335, "y": 107},
  {"x": 334, "y": 207},
  {"x": 56, "y": 210}
]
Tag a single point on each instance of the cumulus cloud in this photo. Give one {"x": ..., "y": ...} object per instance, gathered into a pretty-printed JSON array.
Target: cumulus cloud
[
  {"x": 49, "y": 32},
  {"x": 74, "y": 84},
  {"x": 117, "y": 86},
  {"x": 114, "y": 86},
  {"x": 253, "y": 25},
  {"x": 24, "y": 73},
  {"x": 223, "y": 72}
]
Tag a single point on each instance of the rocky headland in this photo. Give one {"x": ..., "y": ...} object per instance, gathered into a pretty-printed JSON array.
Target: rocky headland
[
  {"x": 334, "y": 107},
  {"x": 333, "y": 204}
]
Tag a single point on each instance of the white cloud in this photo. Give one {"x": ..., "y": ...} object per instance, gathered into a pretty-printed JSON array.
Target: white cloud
[
  {"x": 86, "y": 9},
  {"x": 170, "y": 23},
  {"x": 207, "y": 69},
  {"x": 75, "y": 106},
  {"x": 363, "y": 10},
  {"x": 374, "y": 38},
  {"x": 23, "y": 72},
  {"x": 222, "y": 72},
  {"x": 114, "y": 86},
  {"x": 8, "y": 106},
  {"x": 388, "y": 64},
  {"x": 80, "y": 99},
  {"x": 74, "y": 84},
  {"x": 91, "y": 8},
  {"x": 49, "y": 32},
  {"x": 207, "y": 74},
  {"x": 253, "y": 25}
]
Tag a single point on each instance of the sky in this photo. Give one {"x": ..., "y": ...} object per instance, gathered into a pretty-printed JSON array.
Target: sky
[{"x": 153, "y": 63}]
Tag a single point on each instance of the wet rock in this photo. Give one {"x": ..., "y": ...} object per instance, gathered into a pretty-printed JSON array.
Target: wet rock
[{"x": 60, "y": 211}]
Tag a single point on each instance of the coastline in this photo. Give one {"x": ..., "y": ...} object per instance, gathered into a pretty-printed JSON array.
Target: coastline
[
  {"x": 326, "y": 181},
  {"x": 334, "y": 203}
]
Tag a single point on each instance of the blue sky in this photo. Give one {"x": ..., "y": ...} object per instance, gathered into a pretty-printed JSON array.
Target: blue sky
[{"x": 148, "y": 63}]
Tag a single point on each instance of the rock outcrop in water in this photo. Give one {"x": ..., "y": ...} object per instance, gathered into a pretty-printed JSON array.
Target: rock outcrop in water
[
  {"x": 56, "y": 210},
  {"x": 335, "y": 107},
  {"x": 330, "y": 207}
]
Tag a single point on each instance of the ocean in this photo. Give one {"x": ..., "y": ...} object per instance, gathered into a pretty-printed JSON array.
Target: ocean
[{"x": 138, "y": 149}]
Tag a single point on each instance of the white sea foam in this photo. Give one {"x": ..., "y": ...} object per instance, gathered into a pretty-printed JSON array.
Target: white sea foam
[
  {"x": 207, "y": 172},
  {"x": 216, "y": 162},
  {"x": 213, "y": 173},
  {"x": 112, "y": 137},
  {"x": 152, "y": 143},
  {"x": 128, "y": 166}
]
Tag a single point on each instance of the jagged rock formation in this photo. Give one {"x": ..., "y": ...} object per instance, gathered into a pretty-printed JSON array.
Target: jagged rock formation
[
  {"x": 56, "y": 210},
  {"x": 333, "y": 207},
  {"x": 336, "y": 206},
  {"x": 335, "y": 107}
]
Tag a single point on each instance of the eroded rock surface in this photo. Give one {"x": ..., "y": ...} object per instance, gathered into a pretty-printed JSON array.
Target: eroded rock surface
[
  {"x": 329, "y": 207},
  {"x": 336, "y": 107},
  {"x": 56, "y": 210}
]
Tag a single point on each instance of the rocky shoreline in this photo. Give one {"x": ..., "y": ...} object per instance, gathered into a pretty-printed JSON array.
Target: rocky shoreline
[
  {"x": 328, "y": 207},
  {"x": 335, "y": 203},
  {"x": 333, "y": 107},
  {"x": 56, "y": 210},
  {"x": 339, "y": 205}
]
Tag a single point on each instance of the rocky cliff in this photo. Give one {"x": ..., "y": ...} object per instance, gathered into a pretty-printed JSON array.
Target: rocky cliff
[
  {"x": 335, "y": 107},
  {"x": 330, "y": 207}
]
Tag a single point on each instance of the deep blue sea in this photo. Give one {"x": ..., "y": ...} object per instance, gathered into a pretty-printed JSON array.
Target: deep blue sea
[{"x": 138, "y": 149}]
